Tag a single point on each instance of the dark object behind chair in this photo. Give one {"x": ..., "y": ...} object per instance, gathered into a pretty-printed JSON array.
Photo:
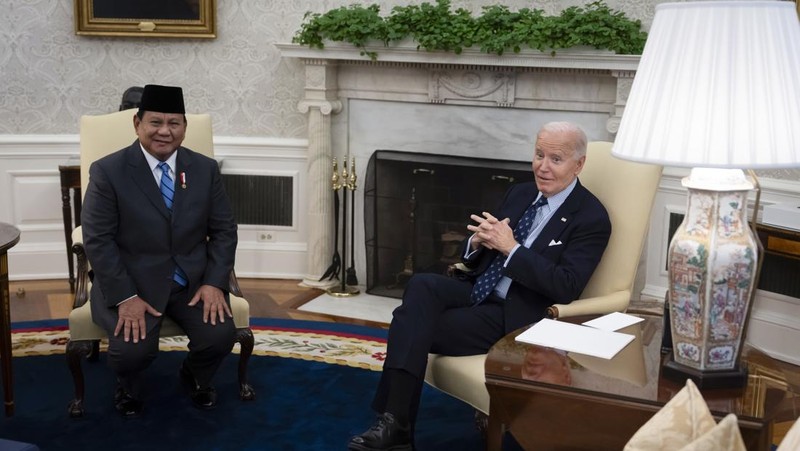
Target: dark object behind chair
[{"x": 131, "y": 98}]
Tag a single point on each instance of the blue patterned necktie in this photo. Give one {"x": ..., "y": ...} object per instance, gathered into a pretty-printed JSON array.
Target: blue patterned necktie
[
  {"x": 488, "y": 280},
  {"x": 167, "y": 188}
]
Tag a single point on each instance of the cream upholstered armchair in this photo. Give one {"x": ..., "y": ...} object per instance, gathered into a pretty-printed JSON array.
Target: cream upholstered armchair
[
  {"x": 99, "y": 136},
  {"x": 627, "y": 191}
]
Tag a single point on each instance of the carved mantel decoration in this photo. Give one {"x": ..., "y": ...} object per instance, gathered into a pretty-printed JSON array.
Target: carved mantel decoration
[
  {"x": 583, "y": 84},
  {"x": 475, "y": 85}
]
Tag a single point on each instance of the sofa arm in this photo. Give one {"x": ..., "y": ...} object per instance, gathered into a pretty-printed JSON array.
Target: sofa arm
[{"x": 614, "y": 302}]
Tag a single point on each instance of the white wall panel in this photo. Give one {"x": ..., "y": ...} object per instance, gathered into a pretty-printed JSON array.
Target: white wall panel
[{"x": 30, "y": 198}]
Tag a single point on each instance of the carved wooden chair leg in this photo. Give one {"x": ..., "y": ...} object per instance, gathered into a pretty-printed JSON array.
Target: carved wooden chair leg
[
  {"x": 244, "y": 337},
  {"x": 76, "y": 350}
]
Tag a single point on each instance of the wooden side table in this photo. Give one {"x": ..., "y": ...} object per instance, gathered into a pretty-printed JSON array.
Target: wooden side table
[
  {"x": 70, "y": 181},
  {"x": 9, "y": 236},
  {"x": 555, "y": 400}
]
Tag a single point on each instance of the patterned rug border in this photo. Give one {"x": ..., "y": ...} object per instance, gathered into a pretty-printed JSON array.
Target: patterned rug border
[{"x": 332, "y": 343}]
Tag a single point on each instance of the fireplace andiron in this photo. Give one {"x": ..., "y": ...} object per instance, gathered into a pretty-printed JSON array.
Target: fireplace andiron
[
  {"x": 352, "y": 279},
  {"x": 345, "y": 182},
  {"x": 336, "y": 260}
]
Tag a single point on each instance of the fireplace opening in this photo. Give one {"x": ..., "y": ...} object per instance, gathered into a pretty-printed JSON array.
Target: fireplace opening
[{"x": 417, "y": 208}]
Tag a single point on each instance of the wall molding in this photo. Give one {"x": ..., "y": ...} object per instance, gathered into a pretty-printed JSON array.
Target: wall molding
[
  {"x": 41, "y": 252},
  {"x": 775, "y": 326}
]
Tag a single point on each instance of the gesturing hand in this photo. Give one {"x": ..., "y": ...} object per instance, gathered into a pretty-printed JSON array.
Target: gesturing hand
[
  {"x": 492, "y": 233},
  {"x": 214, "y": 305},
  {"x": 131, "y": 319}
]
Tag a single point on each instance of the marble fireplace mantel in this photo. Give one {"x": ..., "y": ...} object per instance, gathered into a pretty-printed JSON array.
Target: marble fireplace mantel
[{"x": 409, "y": 99}]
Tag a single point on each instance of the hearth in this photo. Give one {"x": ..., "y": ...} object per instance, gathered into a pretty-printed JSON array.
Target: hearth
[{"x": 417, "y": 207}]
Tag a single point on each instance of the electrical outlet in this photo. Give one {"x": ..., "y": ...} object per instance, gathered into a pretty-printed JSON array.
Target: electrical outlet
[{"x": 266, "y": 237}]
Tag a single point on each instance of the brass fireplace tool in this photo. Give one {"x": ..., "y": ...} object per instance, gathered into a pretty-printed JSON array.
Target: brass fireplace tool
[{"x": 346, "y": 181}]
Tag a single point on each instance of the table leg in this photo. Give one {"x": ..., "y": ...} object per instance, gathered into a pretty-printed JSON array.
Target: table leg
[
  {"x": 494, "y": 431},
  {"x": 5, "y": 337}
]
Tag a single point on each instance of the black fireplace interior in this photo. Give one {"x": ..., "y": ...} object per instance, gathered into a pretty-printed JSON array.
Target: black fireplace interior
[{"x": 417, "y": 207}]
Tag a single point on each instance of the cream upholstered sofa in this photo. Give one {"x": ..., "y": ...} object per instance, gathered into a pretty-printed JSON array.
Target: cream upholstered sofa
[
  {"x": 627, "y": 191},
  {"x": 686, "y": 424},
  {"x": 791, "y": 441},
  {"x": 99, "y": 136}
]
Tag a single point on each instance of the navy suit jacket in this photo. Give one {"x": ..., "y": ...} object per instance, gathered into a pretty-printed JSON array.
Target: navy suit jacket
[
  {"x": 561, "y": 259},
  {"x": 133, "y": 242}
]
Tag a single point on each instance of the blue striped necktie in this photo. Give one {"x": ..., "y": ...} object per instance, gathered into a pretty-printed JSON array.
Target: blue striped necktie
[
  {"x": 488, "y": 280},
  {"x": 167, "y": 187}
]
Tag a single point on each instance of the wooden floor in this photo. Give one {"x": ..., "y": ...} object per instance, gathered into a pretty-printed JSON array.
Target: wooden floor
[{"x": 33, "y": 300}]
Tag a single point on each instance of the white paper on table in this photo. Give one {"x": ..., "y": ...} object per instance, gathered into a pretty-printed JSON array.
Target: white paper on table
[
  {"x": 613, "y": 321},
  {"x": 575, "y": 338}
]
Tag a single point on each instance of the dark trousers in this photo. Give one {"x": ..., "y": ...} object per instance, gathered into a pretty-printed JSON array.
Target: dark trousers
[
  {"x": 436, "y": 316},
  {"x": 208, "y": 344}
]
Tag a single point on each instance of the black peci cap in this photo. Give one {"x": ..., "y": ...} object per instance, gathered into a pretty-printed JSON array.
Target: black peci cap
[{"x": 162, "y": 99}]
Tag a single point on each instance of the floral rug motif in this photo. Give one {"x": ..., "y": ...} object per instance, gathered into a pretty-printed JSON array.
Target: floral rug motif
[{"x": 328, "y": 346}]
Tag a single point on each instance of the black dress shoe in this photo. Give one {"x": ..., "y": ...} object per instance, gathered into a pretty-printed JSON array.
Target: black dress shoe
[
  {"x": 386, "y": 434},
  {"x": 126, "y": 405},
  {"x": 204, "y": 398}
]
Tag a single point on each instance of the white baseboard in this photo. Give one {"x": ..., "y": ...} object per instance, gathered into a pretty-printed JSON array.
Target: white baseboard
[
  {"x": 775, "y": 340},
  {"x": 32, "y": 261},
  {"x": 775, "y": 326},
  {"x": 654, "y": 292},
  {"x": 286, "y": 262}
]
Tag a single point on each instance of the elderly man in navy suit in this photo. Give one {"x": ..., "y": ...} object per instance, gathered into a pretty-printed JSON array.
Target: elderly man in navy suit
[
  {"x": 539, "y": 248},
  {"x": 160, "y": 235}
]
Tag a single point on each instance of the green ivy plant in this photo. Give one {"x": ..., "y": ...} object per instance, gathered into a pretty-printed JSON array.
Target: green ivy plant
[{"x": 497, "y": 30}]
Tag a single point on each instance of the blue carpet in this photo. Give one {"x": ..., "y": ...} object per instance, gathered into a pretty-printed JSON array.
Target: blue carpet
[{"x": 300, "y": 405}]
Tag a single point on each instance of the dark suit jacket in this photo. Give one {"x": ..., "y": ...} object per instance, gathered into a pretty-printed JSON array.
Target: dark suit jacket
[
  {"x": 133, "y": 242},
  {"x": 549, "y": 273}
]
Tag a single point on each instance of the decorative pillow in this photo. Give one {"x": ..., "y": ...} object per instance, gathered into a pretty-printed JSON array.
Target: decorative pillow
[
  {"x": 791, "y": 441},
  {"x": 724, "y": 436},
  {"x": 681, "y": 421}
]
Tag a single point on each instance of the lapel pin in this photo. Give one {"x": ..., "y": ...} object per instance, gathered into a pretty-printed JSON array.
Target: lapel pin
[
  {"x": 562, "y": 219},
  {"x": 183, "y": 180}
]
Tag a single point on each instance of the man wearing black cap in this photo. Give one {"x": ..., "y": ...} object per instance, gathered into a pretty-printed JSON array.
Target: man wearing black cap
[{"x": 160, "y": 235}]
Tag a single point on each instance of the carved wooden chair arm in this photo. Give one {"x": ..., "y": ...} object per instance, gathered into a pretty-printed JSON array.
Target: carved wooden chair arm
[{"x": 81, "y": 276}]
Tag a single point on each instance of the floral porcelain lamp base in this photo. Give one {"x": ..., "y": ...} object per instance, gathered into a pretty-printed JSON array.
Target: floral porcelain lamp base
[
  {"x": 712, "y": 272},
  {"x": 734, "y": 378}
]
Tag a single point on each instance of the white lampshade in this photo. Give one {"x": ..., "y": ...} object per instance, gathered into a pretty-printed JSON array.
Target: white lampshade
[{"x": 718, "y": 85}]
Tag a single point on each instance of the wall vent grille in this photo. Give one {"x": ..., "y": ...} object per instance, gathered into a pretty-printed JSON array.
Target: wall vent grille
[{"x": 261, "y": 199}]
